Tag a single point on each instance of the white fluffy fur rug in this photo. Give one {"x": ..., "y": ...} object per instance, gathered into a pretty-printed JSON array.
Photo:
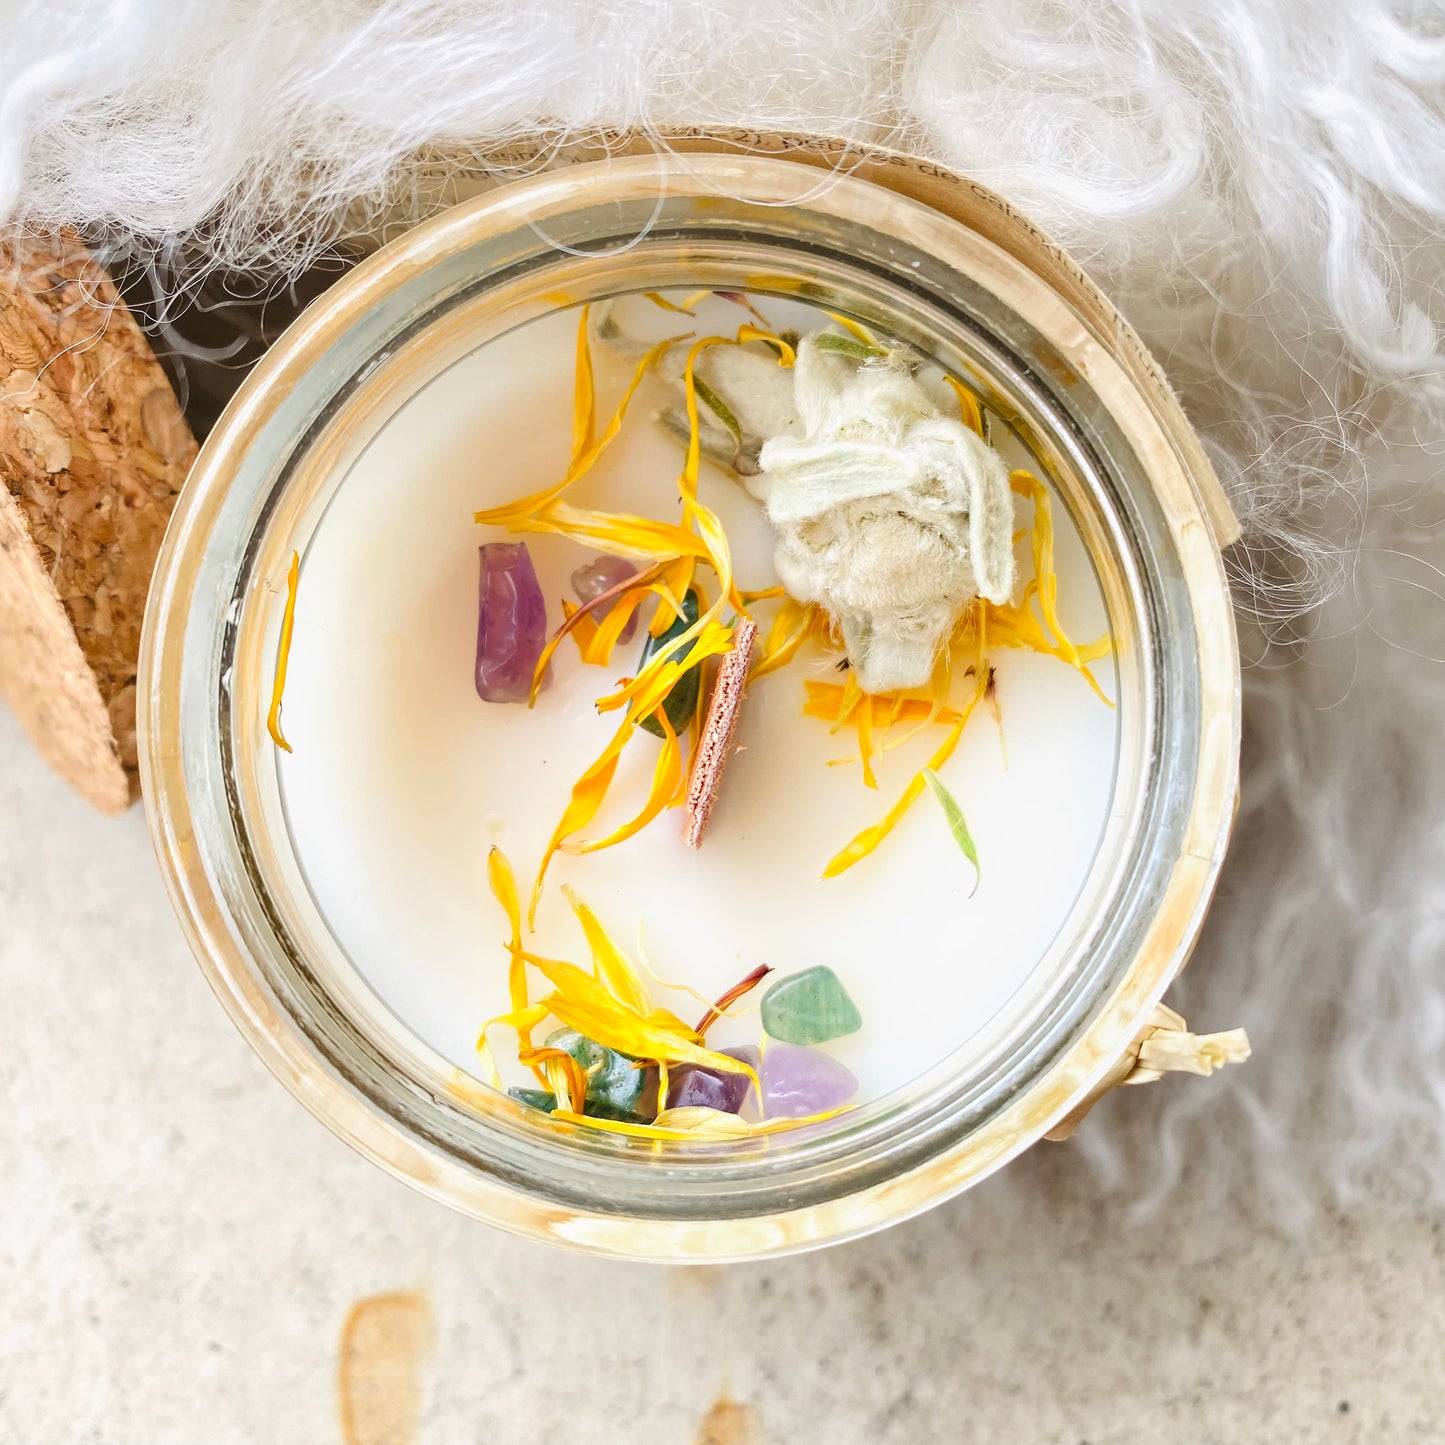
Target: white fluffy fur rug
[{"x": 1260, "y": 183}]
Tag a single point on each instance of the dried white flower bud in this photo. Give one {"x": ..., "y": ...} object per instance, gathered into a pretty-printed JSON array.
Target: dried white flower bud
[{"x": 889, "y": 514}]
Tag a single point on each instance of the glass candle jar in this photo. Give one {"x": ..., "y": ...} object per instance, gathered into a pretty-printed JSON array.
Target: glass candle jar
[{"x": 1081, "y": 401}]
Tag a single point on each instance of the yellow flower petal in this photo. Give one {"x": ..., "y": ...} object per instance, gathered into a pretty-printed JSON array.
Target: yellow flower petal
[
  {"x": 523, "y": 1023},
  {"x": 588, "y": 794},
  {"x": 283, "y": 654},
  {"x": 621, "y": 1126},
  {"x": 667, "y": 775},
  {"x": 579, "y": 619},
  {"x": 639, "y": 538},
  {"x": 583, "y": 630},
  {"x": 613, "y": 966},
  {"x": 825, "y": 699},
  {"x": 658, "y": 1035},
  {"x": 967, "y": 405},
  {"x": 559, "y": 1071},
  {"x": 863, "y": 723},
  {"x": 697, "y": 1121},
  {"x": 514, "y": 513},
  {"x": 791, "y": 627},
  {"x": 696, "y": 1125},
  {"x": 786, "y": 355},
  {"x": 504, "y": 889},
  {"x": 643, "y": 693},
  {"x": 853, "y": 329},
  {"x": 866, "y": 841},
  {"x": 658, "y": 299}
]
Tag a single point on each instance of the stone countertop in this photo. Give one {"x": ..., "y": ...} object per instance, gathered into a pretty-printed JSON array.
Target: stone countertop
[{"x": 180, "y": 1245}]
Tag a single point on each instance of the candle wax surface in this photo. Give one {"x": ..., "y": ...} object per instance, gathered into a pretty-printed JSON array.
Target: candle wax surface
[{"x": 402, "y": 779}]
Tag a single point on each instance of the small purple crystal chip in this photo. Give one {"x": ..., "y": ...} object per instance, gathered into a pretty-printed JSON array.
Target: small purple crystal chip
[
  {"x": 511, "y": 623},
  {"x": 602, "y": 575},
  {"x": 799, "y": 1081},
  {"x": 695, "y": 1087}
]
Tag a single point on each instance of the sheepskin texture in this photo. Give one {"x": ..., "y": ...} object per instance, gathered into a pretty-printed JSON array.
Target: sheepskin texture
[
  {"x": 1261, "y": 186},
  {"x": 890, "y": 514}
]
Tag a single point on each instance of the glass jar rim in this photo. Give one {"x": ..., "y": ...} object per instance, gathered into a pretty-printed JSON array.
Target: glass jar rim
[{"x": 1087, "y": 403}]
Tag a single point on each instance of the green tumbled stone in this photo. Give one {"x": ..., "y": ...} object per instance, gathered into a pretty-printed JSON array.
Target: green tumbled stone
[
  {"x": 615, "y": 1089},
  {"x": 681, "y": 702},
  {"x": 535, "y": 1098},
  {"x": 810, "y": 1007}
]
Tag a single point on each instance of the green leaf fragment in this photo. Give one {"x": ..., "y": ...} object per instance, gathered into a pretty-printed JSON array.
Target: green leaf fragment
[
  {"x": 719, "y": 408},
  {"x": 957, "y": 824},
  {"x": 848, "y": 346}
]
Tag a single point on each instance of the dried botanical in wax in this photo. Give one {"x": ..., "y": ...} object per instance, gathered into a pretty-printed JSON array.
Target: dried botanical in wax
[
  {"x": 890, "y": 515},
  {"x": 894, "y": 523}
]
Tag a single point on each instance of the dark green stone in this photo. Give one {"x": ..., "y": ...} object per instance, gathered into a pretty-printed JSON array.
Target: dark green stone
[
  {"x": 681, "y": 703},
  {"x": 810, "y": 1007},
  {"x": 535, "y": 1098},
  {"x": 542, "y": 1099},
  {"x": 615, "y": 1089}
]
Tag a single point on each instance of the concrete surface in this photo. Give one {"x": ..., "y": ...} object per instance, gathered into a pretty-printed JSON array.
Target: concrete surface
[{"x": 180, "y": 1244}]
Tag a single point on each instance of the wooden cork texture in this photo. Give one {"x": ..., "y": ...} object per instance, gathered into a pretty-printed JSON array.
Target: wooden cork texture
[{"x": 93, "y": 449}]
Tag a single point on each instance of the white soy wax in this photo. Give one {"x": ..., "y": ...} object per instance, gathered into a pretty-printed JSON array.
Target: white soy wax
[{"x": 402, "y": 779}]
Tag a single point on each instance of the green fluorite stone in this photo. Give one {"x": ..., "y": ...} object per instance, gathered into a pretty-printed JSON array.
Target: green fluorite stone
[
  {"x": 810, "y": 1007},
  {"x": 535, "y": 1098},
  {"x": 615, "y": 1090},
  {"x": 681, "y": 702}
]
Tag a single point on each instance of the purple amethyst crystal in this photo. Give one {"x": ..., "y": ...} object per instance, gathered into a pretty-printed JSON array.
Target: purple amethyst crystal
[
  {"x": 511, "y": 623},
  {"x": 798, "y": 1081},
  {"x": 599, "y": 576},
  {"x": 691, "y": 1086}
]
